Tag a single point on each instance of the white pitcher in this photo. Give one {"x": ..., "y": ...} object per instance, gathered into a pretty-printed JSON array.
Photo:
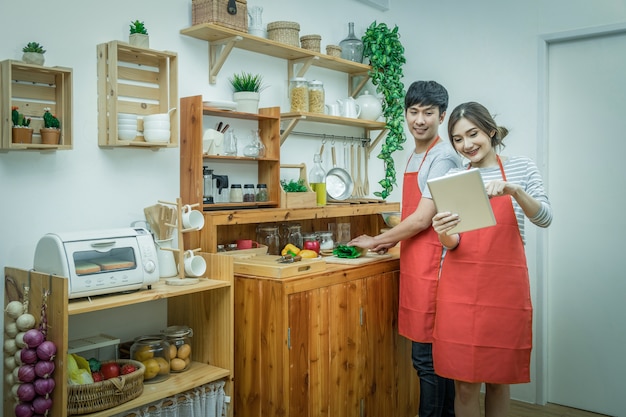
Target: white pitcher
[
  {"x": 167, "y": 265},
  {"x": 349, "y": 107}
]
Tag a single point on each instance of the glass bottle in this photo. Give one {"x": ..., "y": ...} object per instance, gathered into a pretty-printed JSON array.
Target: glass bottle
[
  {"x": 299, "y": 95},
  {"x": 352, "y": 47},
  {"x": 317, "y": 180},
  {"x": 316, "y": 97},
  {"x": 255, "y": 149},
  {"x": 230, "y": 142}
]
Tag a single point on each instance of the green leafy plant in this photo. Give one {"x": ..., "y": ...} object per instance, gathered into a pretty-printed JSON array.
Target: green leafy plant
[
  {"x": 50, "y": 120},
  {"x": 247, "y": 82},
  {"x": 386, "y": 53},
  {"x": 138, "y": 27},
  {"x": 34, "y": 47},
  {"x": 294, "y": 186},
  {"x": 18, "y": 118}
]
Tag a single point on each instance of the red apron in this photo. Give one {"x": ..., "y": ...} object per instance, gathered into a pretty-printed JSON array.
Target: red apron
[
  {"x": 420, "y": 257},
  {"x": 483, "y": 330}
]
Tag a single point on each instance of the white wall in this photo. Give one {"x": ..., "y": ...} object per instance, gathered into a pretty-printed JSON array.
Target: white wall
[{"x": 485, "y": 50}]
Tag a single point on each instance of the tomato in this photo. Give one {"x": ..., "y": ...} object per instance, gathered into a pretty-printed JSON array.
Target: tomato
[
  {"x": 312, "y": 245},
  {"x": 110, "y": 370}
]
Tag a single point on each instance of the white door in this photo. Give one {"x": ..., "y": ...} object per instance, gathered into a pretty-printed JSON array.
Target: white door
[{"x": 586, "y": 244}]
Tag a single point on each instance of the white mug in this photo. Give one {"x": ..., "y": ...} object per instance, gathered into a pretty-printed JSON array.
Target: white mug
[
  {"x": 195, "y": 265},
  {"x": 333, "y": 109},
  {"x": 192, "y": 219}
]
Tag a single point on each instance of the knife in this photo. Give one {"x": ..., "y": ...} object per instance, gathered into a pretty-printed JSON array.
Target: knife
[
  {"x": 288, "y": 259},
  {"x": 225, "y": 128},
  {"x": 219, "y": 127}
]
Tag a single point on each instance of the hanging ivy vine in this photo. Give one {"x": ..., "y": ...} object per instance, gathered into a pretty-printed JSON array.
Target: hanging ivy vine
[{"x": 386, "y": 54}]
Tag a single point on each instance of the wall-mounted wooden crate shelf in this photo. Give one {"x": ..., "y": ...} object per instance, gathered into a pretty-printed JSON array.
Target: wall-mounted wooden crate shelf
[
  {"x": 33, "y": 88},
  {"x": 135, "y": 80}
]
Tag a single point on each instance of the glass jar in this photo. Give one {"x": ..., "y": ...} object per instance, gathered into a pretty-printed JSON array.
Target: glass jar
[
  {"x": 221, "y": 248},
  {"x": 248, "y": 193},
  {"x": 299, "y": 95},
  {"x": 236, "y": 194},
  {"x": 154, "y": 352},
  {"x": 352, "y": 47},
  {"x": 180, "y": 347},
  {"x": 294, "y": 235},
  {"x": 326, "y": 240},
  {"x": 316, "y": 97},
  {"x": 268, "y": 236},
  {"x": 261, "y": 192},
  {"x": 311, "y": 241}
]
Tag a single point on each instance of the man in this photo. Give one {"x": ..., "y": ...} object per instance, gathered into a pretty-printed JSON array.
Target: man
[{"x": 425, "y": 106}]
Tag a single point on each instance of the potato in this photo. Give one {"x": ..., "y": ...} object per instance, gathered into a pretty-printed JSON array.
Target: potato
[
  {"x": 184, "y": 351},
  {"x": 173, "y": 351},
  {"x": 177, "y": 364},
  {"x": 393, "y": 220}
]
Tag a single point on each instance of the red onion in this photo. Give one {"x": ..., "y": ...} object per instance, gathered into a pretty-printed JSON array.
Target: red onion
[
  {"x": 28, "y": 355},
  {"x": 24, "y": 410},
  {"x": 33, "y": 338},
  {"x": 26, "y": 373},
  {"x": 41, "y": 405},
  {"x": 44, "y": 387},
  {"x": 44, "y": 369},
  {"x": 46, "y": 350},
  {"x": 26, "y": 392}
]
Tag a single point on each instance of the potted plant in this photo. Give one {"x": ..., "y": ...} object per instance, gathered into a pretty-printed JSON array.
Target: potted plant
[
  {"x": 33, "y": 53},
  {"x": 22, "y": 132},
  {"x": 138, "y": 35},
  {"x": 386, "y": 54},
  {"x": 246, "y": 91},
  {"x": 51, "y": 131}
]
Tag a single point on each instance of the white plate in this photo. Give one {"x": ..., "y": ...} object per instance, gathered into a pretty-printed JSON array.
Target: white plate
[{"x": 221, "y": 104}]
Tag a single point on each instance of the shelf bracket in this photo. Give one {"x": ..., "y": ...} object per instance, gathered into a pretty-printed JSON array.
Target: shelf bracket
[
  {"x": 218, "y": 52},
  {"x": 360, "y": 80},
  {"x": 288, "y": 129},
  {"x": 306, "y": 64},
  {"x": 372, "y": 145}
]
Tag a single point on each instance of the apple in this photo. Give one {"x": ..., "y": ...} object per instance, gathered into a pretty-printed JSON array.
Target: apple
[{"x": 110, "y": 370}]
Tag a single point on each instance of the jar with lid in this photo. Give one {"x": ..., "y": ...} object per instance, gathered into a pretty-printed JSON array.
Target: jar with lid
[
  {"x": 311, "y": 241},
  {"x": 294, "y": 235},
  {"x": 248, "y": 193},
  {"x": 316, "y": 97},
  {"x": 154, "y": 352},
  {"x": 179, "y": 338},
  {"x": 299, "y": 94},
  {"x": 326, "y": 240},
  {"x": 268, "y": 236},
  {"x": 261, "y": 192},
  {"x": 236, "y": 194}
]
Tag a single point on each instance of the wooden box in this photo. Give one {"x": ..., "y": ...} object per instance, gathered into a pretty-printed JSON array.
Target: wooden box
[
  {"x": 306, "y": 199},
  {"x": 268, "y": 266},
  {"x": 216, "y": 11}
]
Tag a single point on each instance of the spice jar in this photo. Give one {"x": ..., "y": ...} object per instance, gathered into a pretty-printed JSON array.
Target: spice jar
[
  {"x": 261, "y": 192},
  {"x": 154, "y": 352},
  {"x": 316, "y": 97},
  {"x": 248, "y": 193},
  {"x": 326, "y": 240},
  {"x": 299, "y": 94},
  {"x": 180, "y": 347},
  {"x": 236, "y": 194}
]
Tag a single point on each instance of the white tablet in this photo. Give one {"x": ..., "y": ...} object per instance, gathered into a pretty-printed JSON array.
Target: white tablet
[{"x": 463, "y": 193}]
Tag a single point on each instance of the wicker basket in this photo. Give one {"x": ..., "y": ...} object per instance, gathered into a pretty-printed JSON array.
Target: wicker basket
[
  {"x": 311, "y": 42},
  {"x": 89, "y": 398},
  {"x": 284, "y": 32},
  {"x": 216, "y": 11},
  {"x": 333, "y": 50}
]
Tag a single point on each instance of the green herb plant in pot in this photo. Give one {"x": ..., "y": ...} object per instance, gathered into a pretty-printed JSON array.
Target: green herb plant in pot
[
  {"x": 51, "y": 132},
  {"x": 247, "y": 89},
  {"x": 386, "y": 55},
  {"x": 138, "y": 34},
  {"x": 21, "y": 132},
  {"x": 33, "y": 53}
]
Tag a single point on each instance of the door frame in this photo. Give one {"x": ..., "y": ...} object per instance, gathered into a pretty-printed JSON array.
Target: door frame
[{"x": 544, "y": 43}]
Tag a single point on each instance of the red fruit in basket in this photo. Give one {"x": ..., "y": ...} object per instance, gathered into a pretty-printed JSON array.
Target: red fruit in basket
[
  {"x": 128, "y": 368},
  {"x": 110, "y": 370},
  {"x": 97, "y": 376}
]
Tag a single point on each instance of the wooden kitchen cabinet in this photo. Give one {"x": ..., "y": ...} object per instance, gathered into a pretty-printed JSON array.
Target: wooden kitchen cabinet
[
  {"x": 206, "y": 307},
  {"x": 324, "y": 344}
]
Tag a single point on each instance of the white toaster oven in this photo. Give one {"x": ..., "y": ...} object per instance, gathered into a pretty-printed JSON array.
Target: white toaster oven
[{"x": 101, "y": 261}]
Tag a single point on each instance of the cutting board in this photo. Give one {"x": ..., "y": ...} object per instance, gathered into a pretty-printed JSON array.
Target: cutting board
[
  {"x": 266, "y": 266},
  {"x": 369, "y": 257}
]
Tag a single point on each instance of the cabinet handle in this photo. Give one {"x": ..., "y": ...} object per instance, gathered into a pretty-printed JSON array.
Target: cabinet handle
[{"x": 361, "y": 316}]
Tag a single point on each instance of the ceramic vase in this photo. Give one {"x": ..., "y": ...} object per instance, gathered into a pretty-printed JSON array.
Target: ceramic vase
[
  {"x": 139, "y": 39},
  {"x": 50, "y": 136},
  {"x": 33, "y": 58},
  {"x": 247, "y": 101},
  {"x": 22, "y": 135}
]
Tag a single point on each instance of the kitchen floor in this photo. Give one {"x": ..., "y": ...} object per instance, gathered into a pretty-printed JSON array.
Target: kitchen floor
[{"x": 522, "y": 409}]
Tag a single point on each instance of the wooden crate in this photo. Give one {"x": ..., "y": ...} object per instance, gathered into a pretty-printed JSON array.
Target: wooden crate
[
  {"x": 33, "y": 88},
  {"x": 306, "y": 199},
  {"x": 135, "y": 80}
]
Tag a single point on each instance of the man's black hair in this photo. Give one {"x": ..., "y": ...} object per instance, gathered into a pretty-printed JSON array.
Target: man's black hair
[{"x": 427, "y": 93}]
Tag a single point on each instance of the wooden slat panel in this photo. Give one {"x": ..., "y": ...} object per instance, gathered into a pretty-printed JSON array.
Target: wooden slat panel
[
  {"x": 138, "y": 92},
  {"x": 28, "y": 75},
  {"x": 319, "y": 354},
  {"x": 300, "y": 311},
  {"x": 138, "y": 75}
]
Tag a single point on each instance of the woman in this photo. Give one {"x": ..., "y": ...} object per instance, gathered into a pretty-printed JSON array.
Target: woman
[{"x": 483, "y": 326}]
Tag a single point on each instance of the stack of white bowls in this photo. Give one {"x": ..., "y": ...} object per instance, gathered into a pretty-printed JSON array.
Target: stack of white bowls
[
  {"x": 156, "y": 127},
  {"x": 126, "y": 126}
]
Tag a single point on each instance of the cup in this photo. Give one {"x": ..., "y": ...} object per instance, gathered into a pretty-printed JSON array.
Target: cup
[
  {"x": 246, "y": 244},
  {"x": 333, "y": 109},
  {"x": 195, "y": 265},
  {"x": 343, "y": 233},
  {"x": 192, "y": 219}
]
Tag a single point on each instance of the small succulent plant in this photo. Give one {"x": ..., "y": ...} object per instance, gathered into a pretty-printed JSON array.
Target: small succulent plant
[
  {"x": 18, "y": 118},
  {"x": 138, "y": 27},
  {"x": 34, "y": 47},
  {"x": 50, "y": 120}
]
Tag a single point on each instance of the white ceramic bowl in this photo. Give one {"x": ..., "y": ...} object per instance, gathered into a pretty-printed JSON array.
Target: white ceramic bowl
[
  {"x": 127, "y": 134},
  {"x": 126, "y": 116},
  {"x": 165, "y": 117},
  {"x": 156, "y": 135},
  {"x": 127, "y": 124},
  {"x": 156, "y": 124}
]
